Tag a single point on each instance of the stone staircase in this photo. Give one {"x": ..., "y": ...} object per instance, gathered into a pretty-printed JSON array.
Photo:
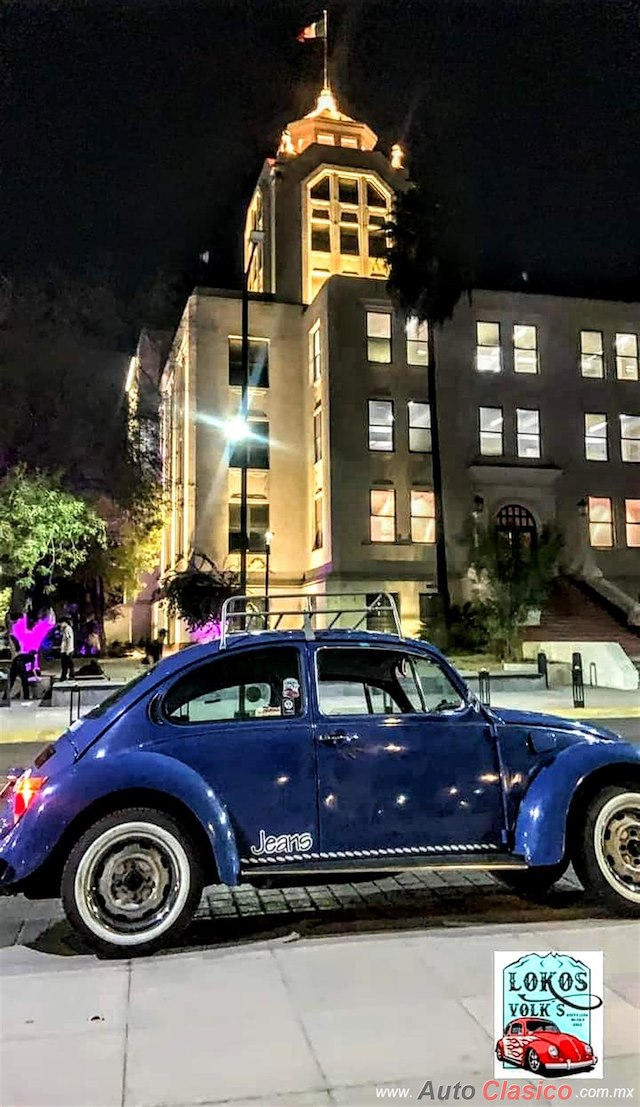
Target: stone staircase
[{"x": 575, "y": 613}]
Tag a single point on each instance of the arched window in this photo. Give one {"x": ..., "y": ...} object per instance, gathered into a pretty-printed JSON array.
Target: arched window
[{"x": 518, "y": 526}]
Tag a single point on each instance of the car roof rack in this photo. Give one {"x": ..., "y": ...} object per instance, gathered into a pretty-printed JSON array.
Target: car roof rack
[{"x": 307, "y": 612}]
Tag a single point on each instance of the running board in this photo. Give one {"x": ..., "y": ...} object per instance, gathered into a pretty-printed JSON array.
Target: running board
[{"x": 484, "y": 862}]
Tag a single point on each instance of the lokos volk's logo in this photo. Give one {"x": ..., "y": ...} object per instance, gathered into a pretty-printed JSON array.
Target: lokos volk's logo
[{"x": 548, "y": 1012}]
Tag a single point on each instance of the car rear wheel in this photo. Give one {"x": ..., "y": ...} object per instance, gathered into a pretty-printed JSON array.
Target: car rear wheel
[
  {"x": 607, "y": 849},
  {"x": 534, "y": 883},
  {"x": 132, "y": 881}
]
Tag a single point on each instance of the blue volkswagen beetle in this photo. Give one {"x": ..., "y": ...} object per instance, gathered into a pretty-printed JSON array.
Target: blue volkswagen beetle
[{"x": 310, "y": 753}]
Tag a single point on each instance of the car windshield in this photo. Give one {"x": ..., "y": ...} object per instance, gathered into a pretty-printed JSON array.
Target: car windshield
[
  {"x": 535, "y": 1026},
  {"x": 103, "y": 707}
]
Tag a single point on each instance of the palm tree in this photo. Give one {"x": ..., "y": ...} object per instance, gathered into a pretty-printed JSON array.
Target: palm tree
[{"x": 429, "y": 259}]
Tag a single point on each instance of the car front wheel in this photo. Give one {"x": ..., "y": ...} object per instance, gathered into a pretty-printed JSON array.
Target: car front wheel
[
  {"x": 607, "y": 851},
  {"x": 533, "y": 1062},
  {"x": 132, "y": 881}
]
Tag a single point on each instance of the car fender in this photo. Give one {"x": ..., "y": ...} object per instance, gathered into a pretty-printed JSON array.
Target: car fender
[
  {"x": 541, "y": 824},
  {"x": 92, "y": 779}
]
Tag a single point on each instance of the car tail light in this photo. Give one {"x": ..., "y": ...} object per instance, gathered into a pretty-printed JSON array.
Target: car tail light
[{"x": 25, "y": 790}]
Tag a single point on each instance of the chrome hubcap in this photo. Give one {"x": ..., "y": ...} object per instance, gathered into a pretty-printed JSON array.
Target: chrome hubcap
[{"x": 133, "y": 880}]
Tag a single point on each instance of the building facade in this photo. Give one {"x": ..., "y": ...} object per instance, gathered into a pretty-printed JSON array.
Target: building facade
[{"x": 538, "y": 402}]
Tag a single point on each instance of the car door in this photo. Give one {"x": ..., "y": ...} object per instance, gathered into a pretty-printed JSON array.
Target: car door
[
  {"x": 404, "y": 764},
  {"x": 242, "y": 721}
]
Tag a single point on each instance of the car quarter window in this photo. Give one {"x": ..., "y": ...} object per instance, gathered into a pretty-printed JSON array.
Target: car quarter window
[
  {"x": 516, "y": 1028},
  {"x": 252, "y": 685},
  {"x": 366, "y": 681}
]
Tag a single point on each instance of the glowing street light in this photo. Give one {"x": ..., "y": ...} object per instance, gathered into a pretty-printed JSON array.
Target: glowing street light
[{"x": 236, "y": 429}]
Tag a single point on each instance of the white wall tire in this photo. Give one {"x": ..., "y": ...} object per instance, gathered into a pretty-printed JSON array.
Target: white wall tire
[
  {"x": 607, "y": 857},
  {"x": 132, "y": 882}
]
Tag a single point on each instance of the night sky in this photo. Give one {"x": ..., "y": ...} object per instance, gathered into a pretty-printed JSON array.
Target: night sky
[{"x": 133, "y": 132}]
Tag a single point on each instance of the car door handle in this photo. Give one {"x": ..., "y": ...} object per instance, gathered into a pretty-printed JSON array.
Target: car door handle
[{"x": 340, "y": 738}]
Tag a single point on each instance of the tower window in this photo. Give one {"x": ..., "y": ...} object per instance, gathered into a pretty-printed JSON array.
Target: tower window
[
  {"x": 375, "y": 198},
  {"x": 318, "y": 529},
  {"x": 347, "y": 191},
  {"x": 349, "y": 241},
  {"x": 350, "y": 141},
  {"x": 317, "y": 434},
  {"x": 326, "y": 139},
  {"x": 315, "y": 353},
  {"x": 321, "y": 189},
  {"x": 321, "y": 239},
  {"x": 253, "y": 451},
  {"x": 257, "y": 526}
]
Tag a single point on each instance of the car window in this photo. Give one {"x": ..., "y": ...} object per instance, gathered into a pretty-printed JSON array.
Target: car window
[
  {"x": 516, "y": 1028},
  {"x": 254, "y": 684},
  {"x": 365, "y": 681},
  {"x": 537, "y": 1026}
]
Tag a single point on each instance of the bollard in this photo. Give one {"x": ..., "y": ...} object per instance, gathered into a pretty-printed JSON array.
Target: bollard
[
  {"x": 577, "y": 680},
  {"x": 484, "y": 687},
  {"x": 543, "y": 667}
]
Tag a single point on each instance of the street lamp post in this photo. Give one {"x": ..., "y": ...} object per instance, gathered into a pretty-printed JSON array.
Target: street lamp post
[
  {"x": 256, "y": 237},
  {"x": 268, "y": 538}
]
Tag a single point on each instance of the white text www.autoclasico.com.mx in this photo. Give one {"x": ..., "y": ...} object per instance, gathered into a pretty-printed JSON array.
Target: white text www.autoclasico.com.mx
[{"x": 501, "y": 1091}]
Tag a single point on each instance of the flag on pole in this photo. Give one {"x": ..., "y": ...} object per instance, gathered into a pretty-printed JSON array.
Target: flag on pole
[{"x": 314, "y": 30}]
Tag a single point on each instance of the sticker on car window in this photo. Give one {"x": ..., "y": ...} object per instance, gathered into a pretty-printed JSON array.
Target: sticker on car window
[
  {"x": 291, "y": 688},
  {"x": 268, "y": 712},
  {"x": 288, "y": 706}
]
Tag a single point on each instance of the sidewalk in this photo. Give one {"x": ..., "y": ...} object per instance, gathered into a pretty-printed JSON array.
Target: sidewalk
[
  {"x": 28, "y": 722},
  {"x": 282, "y": 1023}
]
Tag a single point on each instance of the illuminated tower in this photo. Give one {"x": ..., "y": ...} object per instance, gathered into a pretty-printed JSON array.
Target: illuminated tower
[{"x": 322, "y": 203}]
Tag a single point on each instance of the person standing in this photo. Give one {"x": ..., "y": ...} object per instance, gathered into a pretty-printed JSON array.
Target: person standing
[{"x": 67, "y": 646}]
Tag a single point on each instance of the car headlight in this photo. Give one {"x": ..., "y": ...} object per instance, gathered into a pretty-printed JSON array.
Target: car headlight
[
  {"x": 553, "y": 1052},
  {"x": 588, "y": 1050}
]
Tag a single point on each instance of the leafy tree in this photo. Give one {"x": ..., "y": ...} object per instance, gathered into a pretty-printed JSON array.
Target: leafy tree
[
  {"x": 514, "y": 577},
  {"x": 133, "y": 531},
  {"x": 45, "y": 531},
  {"x": 431, "y": 264},
  {"x": 197, "y": 593}
]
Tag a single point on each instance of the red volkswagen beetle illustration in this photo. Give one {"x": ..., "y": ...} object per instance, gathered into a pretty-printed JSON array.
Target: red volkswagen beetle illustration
[{"x": 540, "y": 1046}]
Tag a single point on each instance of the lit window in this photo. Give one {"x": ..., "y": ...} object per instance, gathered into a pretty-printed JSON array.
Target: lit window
[
  {"x": 382, "y": 519},
  {"x": 326, "y": 139},
  {"x": 349, "y": 141},
  {"x": 423, "y": 517},
  {"x": 315, "y": 353},
  {"x": 375, "y": 198},
  {"x": 252, "y": 451},
  {"x": 379, "y": 336},
  {"x": 318, "y": 528},
  {"x": 630, "y": 437},
  {"x": 595, "y": 437},
  {"x": 348, "y": 191},
  {"x": 417, "y": 341},
  {"x": 349, "y": 243},
  {"x": 591, "y": 354},
  {"x": 627, "y": 357},
  {"x": 381, "y": 425},
  {"x": 320, "y": 238},
  {"x": 257, "y": 526},
  {"x": 321, "y": 190},
  {"x": 258, "y": 367},
  {"x": 488, "y": 351},
  {"x": 632, "y": 522},
  {"x": 525, "y": 348},
  {"x": 317, "y": 435},
  {"x": 419, "y": 427},
  {"x": 491, "y": 431},
  {"x": 600, "y": 522},
  {"x": 528, "y": 432}
]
